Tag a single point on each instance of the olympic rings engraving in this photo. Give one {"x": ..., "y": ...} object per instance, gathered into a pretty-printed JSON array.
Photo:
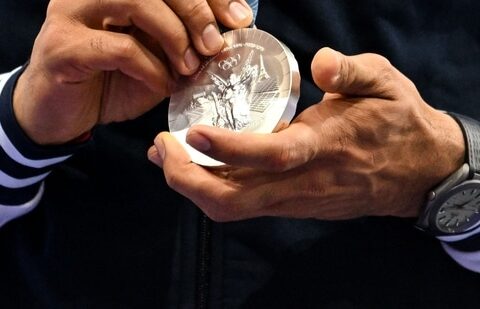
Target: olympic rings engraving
[{"x": 230, "y": 62}]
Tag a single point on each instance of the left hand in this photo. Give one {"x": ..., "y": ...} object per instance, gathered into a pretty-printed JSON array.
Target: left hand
[
  {"x": 372, "y": 147},
  {"x": 96, "y": 62}
]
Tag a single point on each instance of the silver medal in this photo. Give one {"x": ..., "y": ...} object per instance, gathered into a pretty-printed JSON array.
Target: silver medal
[{"x": 252, "y": 85}]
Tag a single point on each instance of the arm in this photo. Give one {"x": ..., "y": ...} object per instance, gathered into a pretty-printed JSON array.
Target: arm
[{"x": 24, "y": 164}]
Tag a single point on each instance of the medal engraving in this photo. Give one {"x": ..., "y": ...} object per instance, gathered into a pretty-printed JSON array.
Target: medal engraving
[{"x": 252, "y": 85}]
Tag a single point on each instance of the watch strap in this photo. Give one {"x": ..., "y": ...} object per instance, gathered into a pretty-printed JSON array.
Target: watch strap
[{"x": 471, "y": 132}]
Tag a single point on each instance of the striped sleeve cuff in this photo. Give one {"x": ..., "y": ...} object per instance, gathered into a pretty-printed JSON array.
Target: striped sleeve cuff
[
  {"x": 468, "y": 260},
  {"x": 464, "y": 249},
  {"x": 23, "y": 164}
]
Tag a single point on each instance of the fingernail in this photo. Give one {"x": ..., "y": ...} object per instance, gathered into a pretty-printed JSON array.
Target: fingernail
[
  {"x": 211, "y": 38},
  {"x": 238, "y": 11},
  {"x": 198, "y": 142},
  {"x": 191, "y": 60},
  {"x": 155, "y": 157}
]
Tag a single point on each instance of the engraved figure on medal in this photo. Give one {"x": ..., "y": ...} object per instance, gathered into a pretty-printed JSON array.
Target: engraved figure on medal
[
  {"x": 228, "y": 103},
  {"x": 250, "y": 86}
]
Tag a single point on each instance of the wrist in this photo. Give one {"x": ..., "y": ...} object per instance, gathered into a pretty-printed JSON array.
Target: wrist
[
  {"x": 450, "y": 145},
  {"x": 452, "y": 211},
  {"x": 39, "y": 121},
  {"x": 16, "y": 143}
]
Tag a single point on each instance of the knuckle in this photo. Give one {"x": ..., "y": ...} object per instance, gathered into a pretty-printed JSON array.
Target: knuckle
[
  {"x": 178, "y": 37},
  {"x": 385, "y": 70},
  {"x": 410, "y": 88},
  {"x": 195, "y": 10},
  {"x": 52, "y": 37},
  {"x": 409, "y": 84},
  {"x": 381, "y": 61},
  {"x": 385, "y": 74},
  {"x": 292, "y": 153},
  {"x": 280, "y": 162},
  {"x": 97, "y": 44},
  {"x": 385, "y": 77},
  {"x": 127, "y": 48},
  {"x": 224, "y": 208},
  {"x": 173, "y": 180},
  {"x": 341, "y": 145},
  {"x": 347, "y": 72}
]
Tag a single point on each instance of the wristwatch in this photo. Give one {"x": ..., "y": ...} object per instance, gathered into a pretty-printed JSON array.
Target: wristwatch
[{"x": 453, "y": 207}]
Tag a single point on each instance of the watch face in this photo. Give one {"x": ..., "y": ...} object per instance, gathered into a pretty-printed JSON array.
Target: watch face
[
  {"x": 252, "y": 85},
  {"x": 461, "y": 211}
]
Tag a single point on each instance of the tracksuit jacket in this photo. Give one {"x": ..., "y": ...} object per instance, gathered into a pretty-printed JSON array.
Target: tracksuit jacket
[{"x": 107, "y": 232}]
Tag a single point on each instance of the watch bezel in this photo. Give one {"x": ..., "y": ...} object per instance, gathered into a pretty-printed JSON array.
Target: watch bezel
[{"x": 441, "y": 199}]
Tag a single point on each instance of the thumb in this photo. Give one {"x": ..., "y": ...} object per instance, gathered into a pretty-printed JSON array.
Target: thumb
[
  {"x": 167, "y": 152},
  {"x": 276, "y": 152},
  {"x": 361, "y": 75},
  {"x": 232, "y": 14}
]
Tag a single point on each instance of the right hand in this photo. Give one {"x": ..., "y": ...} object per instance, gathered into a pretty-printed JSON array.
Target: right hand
[
  {"x": 360, "y": 152},
  {"x": 102, "y": 61}
]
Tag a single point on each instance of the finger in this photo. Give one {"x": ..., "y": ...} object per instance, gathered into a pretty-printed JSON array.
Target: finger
[
  {"x": 232, "y": 14},
  {"x": 158, "y": 20},
  {"x": 189, "y": 179},
  {"x": 181, "y": 174},
  {"x": 361, "y": 75},
  {"x": 200, "y": 22},
  {"x": 109, "y": 51},
  {"x": 154, "y": 156},
  {"x": 274, "y": 152}
]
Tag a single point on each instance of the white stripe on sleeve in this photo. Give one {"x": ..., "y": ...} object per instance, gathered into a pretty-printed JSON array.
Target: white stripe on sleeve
[
  {"x": 5, "y": 76},
  {"x": 8, "y": 213},
  {"x": 469, "y": 260},
  {"x": 15, "y": 155},
  {"x": 10, "y": 182}
]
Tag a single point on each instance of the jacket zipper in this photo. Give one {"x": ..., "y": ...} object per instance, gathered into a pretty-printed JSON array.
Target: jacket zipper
[{"x": 203, "y": 267}]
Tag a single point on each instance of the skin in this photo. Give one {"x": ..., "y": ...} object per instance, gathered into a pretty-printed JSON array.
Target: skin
[
  {"x": 96, "y": 62},
  {"x": 372, "y": 147}
]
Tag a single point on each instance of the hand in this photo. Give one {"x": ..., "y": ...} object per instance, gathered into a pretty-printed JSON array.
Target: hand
[
  {"x": 372, "y": 147},
  {"x": 102, "y": 61}
]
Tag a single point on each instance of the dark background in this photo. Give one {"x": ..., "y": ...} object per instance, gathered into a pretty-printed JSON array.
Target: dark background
[{"x": 20, "y": 21}]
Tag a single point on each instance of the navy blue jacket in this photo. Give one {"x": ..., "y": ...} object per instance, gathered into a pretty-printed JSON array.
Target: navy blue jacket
[{"x": 109, "y": 233}]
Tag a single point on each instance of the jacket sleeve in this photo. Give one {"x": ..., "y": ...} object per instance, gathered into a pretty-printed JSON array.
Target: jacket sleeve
[
  {"x": 464, "y": 249},
  {"x": 23, "y": 164}
]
